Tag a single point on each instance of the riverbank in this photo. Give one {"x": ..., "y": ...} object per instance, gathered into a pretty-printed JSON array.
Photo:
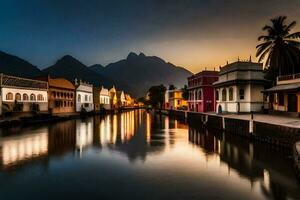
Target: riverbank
[
  {"x": 281, "y": 131},
  {"x": 22, "y": 119}
]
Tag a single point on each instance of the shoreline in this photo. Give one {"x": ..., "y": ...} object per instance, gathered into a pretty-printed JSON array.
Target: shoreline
[
  {"x": 256, "y": 129},
  {"x": 32, "y": 119}
]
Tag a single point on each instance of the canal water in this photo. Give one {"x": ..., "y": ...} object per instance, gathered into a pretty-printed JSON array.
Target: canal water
[{"x": 138, "y": 155}]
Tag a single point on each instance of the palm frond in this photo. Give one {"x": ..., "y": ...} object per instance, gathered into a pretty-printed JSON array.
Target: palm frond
[{"x": 295, "y": 35}]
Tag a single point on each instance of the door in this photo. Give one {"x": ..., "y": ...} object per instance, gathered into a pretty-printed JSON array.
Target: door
[{"x": 292, "y": 103}]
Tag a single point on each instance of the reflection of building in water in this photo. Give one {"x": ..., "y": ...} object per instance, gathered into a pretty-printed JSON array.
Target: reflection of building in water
[
  {"x": 84, "y": 133},
  {"x": 62, "y": 137},
  {"x": 19, "y": 148},
  {"x": 254, "y": 161}
]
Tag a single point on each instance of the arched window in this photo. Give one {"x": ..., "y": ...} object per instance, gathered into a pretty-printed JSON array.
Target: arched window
[
  {"x": 54, "y": 94},
  {"x": 71, "y": 95},
  {"x": 25, "y": 97},
  {"x": 217, "y": 95},
  {"x": 79, "y": 98},
  {"x": 9, "y": 96},
  {"x": 231, "y": 94},
  {"x": 40, "y": 97},
  {"x": 200, "y": 94},
  {"x": 18, "y": 97},
  {"x": 242, "y": 94},
  {"x": 224, "y": 95},
  {"x": 32, "y": 97},
  {"x": 65, "y": 104}
]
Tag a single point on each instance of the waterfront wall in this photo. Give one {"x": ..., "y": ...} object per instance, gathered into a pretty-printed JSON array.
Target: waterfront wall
[{"x": 263, "y": 132}]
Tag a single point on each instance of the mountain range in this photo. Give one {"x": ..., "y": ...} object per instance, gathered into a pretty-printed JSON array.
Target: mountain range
[{"x": 135, "y": 74}]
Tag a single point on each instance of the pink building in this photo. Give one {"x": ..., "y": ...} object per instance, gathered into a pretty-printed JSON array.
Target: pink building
[{"x": 201, "y": 91}]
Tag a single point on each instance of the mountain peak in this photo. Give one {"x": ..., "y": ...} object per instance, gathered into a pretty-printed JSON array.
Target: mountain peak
[
  {"x": 132, "y": 55},
  {"x": 142, "y": 55}
]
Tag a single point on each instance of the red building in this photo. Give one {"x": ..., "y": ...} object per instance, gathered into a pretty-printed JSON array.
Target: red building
[{"x": 201, "y": 91}]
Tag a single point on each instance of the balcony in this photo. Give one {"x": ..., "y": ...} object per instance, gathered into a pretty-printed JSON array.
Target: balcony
[{"x": 288, "y": 79}]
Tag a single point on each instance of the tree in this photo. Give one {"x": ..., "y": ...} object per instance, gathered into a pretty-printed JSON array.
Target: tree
[
  {"x": 157, "y": 96},
  {"x": 279, "y": 48},
  {"x": 172, "y": 87},
  {"x": 185, "y": 93}
]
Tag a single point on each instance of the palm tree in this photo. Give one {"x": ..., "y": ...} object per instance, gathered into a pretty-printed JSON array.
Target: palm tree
[{"x": 279, "y": 48}]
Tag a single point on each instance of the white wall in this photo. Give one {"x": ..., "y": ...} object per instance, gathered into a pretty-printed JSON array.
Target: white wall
[
  {"x": 105, "y": 101},
  {"x": 253, "y": 99},
  {"x": 83, "y": 101},
  {"x": 43, "y": 104}
]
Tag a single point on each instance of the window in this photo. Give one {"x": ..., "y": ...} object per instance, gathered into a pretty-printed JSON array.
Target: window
[
  {"x": 230, "y": 94},
  {"x": 224, "y": 95},
  {"x": 242, "y": 93},
  {"x": 65, "y": 104},
  {"x": 281, "y": 99},
  {"x": 18, "y": 97},
  {"x": 79, "y": 98},
  {"x": 9, "y": 96},
  {"x": 40, "y": 97},
  {"x": 54, "y": 94},
  {"x": 85, "y": 97},
  {"x": 217, "y": 95},
  {"x": 25, "y": 97},
  {"x": 32, "y": 97},
  {"x": 90, "y": 98},
  {"x": 200, "y": 94}
]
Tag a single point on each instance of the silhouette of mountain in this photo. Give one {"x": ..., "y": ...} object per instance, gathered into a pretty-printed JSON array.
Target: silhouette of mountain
[
  {"x": 97, "y": 68},
  {"x": 70, "y": 68},
  {"x": 141, "y": 72},
  {"x": 13, "y": 65}
]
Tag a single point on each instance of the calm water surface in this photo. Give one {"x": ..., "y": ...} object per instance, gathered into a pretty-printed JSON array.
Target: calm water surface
[{"x": 136, "y": 155}]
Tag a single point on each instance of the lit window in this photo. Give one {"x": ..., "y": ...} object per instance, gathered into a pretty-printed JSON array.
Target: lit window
[
  {"x": 40, "y": 97},
  {"x": 18, "y": 97},
  {"x": 32, "y": 97},
  {"x": 25, "y": 97},
  {"x": 9, "y": 96}
]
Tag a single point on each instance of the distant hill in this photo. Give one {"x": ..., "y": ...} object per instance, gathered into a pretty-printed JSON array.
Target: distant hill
[
  {"x": 70, "y": 68},
  {"x": 97, "y": 68},
  {"x": 13, "y": 65},
  {"x": 141, "y": 72}
]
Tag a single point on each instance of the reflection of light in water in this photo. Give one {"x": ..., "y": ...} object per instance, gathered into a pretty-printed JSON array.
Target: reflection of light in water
[
  {"x": 18, "y": 148},
  {"x": 84, "y": 133},
  {"x": 105, "y": 130},
  {"x": 148, "y": 126},
  {"x": 167, "y": 123},
  {"x": 115, "y": 129},
  {"x": 266, "y": 180}
]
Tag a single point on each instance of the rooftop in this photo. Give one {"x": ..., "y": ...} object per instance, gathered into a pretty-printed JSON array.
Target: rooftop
[
  {"x": 241, "y": 66},
  {"x": 205, "y": 73},
  {"x": 13, "y": 81}
]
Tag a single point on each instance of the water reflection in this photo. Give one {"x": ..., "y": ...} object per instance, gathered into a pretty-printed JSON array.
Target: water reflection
[
  {"x": 258, "y": 163},
  {"x": 143, "y": 151},
  {"x": 19, "y": 148}
]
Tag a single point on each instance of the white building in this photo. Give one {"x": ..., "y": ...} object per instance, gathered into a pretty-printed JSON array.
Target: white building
[
  {"x": 104, "y": 98},
  {"x": 84, "y": 96},
  {"x": 22, "y": 94},
  {"x": 121, "y": 98},
  {"x": 239, "y": 88}
]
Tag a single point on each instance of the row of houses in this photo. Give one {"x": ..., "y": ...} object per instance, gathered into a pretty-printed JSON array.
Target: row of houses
[
  {"x": 57, "y": 95},
  {"x": 238, "y": 87}
]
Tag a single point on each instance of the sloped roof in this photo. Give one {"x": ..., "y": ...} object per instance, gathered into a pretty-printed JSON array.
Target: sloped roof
[
  {"x": 13, "y": 81},
  {"x": 284, "y": 87},
  {"x": 61, "y": 83}
]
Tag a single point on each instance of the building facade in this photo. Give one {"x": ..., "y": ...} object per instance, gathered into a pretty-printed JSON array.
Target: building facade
[
  {"x": 239, "y": 88},
  {"x": 61, "y": 95},
  {"x": 121, "y": 99},
  {"x": 104, "y": 98},
  {"x": 285, "y": 96},
  {"x": 174, "y": 100},
  {"x": 22, "y": 94},
  {"x": 201, "y": 91},
  {"x": 84, "y": 96},
  {"x": 113, "y": 98}
]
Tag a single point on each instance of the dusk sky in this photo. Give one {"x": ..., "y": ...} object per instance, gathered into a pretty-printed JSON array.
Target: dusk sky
[{"x": 190, "y": 33}]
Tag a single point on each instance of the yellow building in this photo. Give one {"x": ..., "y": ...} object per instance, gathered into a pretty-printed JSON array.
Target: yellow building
[
  {"x": 174, "y": 100},
  {"x": 113, "y": 98},
  {"x": 285, "y": 96}
]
